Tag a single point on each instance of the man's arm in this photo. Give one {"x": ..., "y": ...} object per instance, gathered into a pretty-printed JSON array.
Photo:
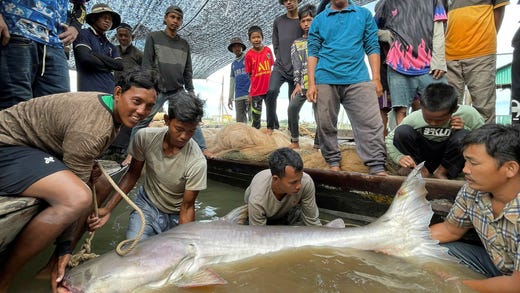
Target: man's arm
[
  {"x": 149, "y": 54},
  {"x": 446, "y": 232},
  {"x": 375, "y": 65},
  {"x": 500, "y": 284},
  {"x": 188, "y": 73},
  {"x": 275, "y": 39},
  {"x": 4, "y": 31},
  {"x": 187, "y": 213},
  {"x": 438, "y": 61},
  {"x": 499, "y": 16},
  {"x": 312, "y": 92},
  {"x": 310, "y": 212}
]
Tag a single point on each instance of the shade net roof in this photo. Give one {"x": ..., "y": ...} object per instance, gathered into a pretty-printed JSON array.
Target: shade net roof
[{"x": 208, "y": 25}]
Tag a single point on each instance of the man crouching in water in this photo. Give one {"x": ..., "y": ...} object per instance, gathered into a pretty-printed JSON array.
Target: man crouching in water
[
  {"x": 47, "y": 150},
  {"x": 490, "y": 203},
  {"x": 282, "y": 194}
]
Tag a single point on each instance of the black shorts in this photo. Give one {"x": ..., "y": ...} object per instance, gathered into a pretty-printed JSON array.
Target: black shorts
[{"x": 21, "y": 166}]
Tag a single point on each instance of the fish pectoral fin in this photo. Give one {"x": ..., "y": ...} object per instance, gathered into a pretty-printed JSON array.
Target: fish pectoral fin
[
  {"x": 336, "y": 223},
  {"x": 205, "y": 277}
]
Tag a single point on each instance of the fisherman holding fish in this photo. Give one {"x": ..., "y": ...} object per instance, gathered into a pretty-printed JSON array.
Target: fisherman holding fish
[
  {"x": 175, "y": 171},
  {"x": 47, "y": 151},
  {"x": 490, "y": 203},
  {"x": 282, "y": 194}
]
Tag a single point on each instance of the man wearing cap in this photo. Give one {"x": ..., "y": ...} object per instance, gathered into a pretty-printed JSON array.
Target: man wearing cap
[
  {"x": 96, "y": 57},
  {"x": 170, "y": 56},
  {"x": 239, "y": 82},
  {"x": 32, "y": 39},
  {"x": 132, "y": 57}
]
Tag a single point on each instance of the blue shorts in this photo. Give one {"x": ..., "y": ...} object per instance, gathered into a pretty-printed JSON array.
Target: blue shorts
[
  {"x": 404, "y": 88},
  {"x": 22, "y": 166}
]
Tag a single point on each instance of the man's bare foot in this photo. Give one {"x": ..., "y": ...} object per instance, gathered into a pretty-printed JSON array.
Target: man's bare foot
[
  {"x": 127, "y": 161},
  {"x": 208, "y": 154},
  {"x": 382, "y": 173},
  {"x": 294, "y": 145},
  {"x": 425, "y": 173},
  {"x": 316, "y": 150},
  {"x": 440, "y": 173},
  {"x": 335, "y": 168},
  {"x": 269, "y": 131}
]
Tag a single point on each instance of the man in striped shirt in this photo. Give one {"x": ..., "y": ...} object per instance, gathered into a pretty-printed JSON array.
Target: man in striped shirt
[{"x": 489, "y": 202}]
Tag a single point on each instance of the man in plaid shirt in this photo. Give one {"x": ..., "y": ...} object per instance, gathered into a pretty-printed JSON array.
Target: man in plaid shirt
[{"x": 490, "y": 203}]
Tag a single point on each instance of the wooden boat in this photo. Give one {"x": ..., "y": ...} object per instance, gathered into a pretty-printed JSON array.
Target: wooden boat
[
  {"x": 357, "y": 196},
  {"x": 15, "y": 211}
]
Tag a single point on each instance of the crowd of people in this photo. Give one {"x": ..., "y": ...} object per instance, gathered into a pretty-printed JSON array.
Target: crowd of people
[{"x": 427, "y": 52}]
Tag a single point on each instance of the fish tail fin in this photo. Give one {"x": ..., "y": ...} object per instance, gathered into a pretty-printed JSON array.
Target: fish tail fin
[{"x": 408, "y": 218}]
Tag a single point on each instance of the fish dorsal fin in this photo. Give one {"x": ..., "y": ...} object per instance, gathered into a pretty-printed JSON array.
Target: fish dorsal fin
[
  {"x": 237, "y": 216},
  {"x": 205, "y": 277},
  {"x": 336, "y": 223}
]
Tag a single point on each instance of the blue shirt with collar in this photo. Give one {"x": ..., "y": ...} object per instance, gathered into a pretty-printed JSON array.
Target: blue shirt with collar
[{"x": 340, "y": 39}]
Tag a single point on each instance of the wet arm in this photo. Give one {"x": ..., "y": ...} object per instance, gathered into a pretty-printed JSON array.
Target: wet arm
[
  {"x": 187, "y": 213},
  {"x": 126, "y": 184},
  {"x": 500, "y": 284},
  {"x": 446, "y": 232}
]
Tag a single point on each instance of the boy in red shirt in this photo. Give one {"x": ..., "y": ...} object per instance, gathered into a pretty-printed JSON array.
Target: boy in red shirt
[{"x": 258, "y": 62}]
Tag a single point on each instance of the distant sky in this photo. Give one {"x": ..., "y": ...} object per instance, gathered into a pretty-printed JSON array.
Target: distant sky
[{"x": 210, "y": 89}]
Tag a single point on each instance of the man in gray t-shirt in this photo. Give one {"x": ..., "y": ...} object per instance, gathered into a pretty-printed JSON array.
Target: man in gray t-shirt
[
  {"x": 175, "y": 172},
  {"x": 283, "y": 194}
]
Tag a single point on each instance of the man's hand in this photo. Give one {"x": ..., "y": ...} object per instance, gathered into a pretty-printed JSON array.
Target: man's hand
[
  {"x": 230, "y": 104},
  {"x": 437, "y": 73},
  {"x": 457, "y": 122},
  {"x": 69, "y": 34},
  {"x": 58, "y": 271},
  {"x": 312, "y": 93},
  {"x": 95, "y": 223},
  {"x": 5, "y": 36},
  {"x": 379, "y": 87},
  {"x": 297, "y": 91},
  {"x": 407, "y": 162}
]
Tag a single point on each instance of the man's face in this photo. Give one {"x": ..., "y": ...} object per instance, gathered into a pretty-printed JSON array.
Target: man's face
[
  {"x": 481, "y": 170},
  {"x": 290, "y": 5},
  {"x": 338, "y": 4},
  {"x": 291, "y": 182},
  {"x": 179, "y": 133},
  {"x": 173, "y": 21},
  {"x": 437, "y": 118},
  {"x": 133, "y": 105},
  {"x": 124, "y": 37},
  {"x": 103, "y": 22}
]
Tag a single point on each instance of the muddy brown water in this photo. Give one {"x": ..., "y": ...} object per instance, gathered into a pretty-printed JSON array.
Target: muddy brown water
[{"x": 301, "y": 270}]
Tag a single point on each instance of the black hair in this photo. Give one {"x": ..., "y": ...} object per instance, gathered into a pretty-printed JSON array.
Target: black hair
[
  {"x": 185, "y": 107},
  {"x": 307, "y": 10},
  {"x": 253, "y": 29},
  {"x": 281, "y": 1},
  {"x": 283, "y": 157},
  {"x": 138, "y": 77},
  {"x": 501, "y": 141},
  {"x": 439, "y": 97}
]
